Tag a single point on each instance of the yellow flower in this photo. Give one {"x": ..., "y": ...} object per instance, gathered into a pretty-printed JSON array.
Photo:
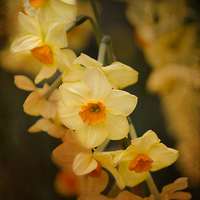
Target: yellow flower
[
  {"x": 143, "y": 155},
  {"x": 36, "y": 104},
  {"x": 91, "y": 164},
  {"x": 94, "y": 110},
  {"x": 119, "y": 75},
  {"x": 44, "y": 45},
  {"x": 44, "y": 10}
]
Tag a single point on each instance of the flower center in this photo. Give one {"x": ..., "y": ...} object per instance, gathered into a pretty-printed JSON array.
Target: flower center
[
  {"x": 36, "y": 3},
  {"x": 141, "y": 163},
  {"x": 96, "y": 173},
  {"x": 93, "y": 113},
  {"x": 43, "y": 54}
]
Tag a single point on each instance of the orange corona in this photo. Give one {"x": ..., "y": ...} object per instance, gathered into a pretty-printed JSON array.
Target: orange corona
[
  {"x": 93, "y": 113},
  {"x": 43, "y": 54},
  {"x": 141, "y": 163},
  {"x": 36, "y": 3}
]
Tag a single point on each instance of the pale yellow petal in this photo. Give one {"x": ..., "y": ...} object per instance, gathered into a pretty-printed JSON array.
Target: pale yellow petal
[
  {"x": 47, "y": 109},
  {"x": 86, "y": 61},
  {"x": 24, "y": 83},
  {"x": 131, "y": 178},
  {"x": 74, "y": 94},
  {"x": 142, "y": 144},
  {"x": 96, "y": 185},
  {"x": 106, "y": 161},
  {"x": 91, "y": 136},
  {"x": 120, "y": 75},
  {"x": 117, "y": 126},
  {"x": 68, "y": 116},
  {"x": 119, "y": 102},
  {"x": 97, "y": 82},
  {"x": 49, "y": 127},
  {"x": 162, "y": 156},
  {"x": 46, "y": 72},
  {"x": 69, "y": 1},
  {"x": 56, "y": 35},
  {"x": 84, "y": 163},
  {"x": 26, "y": 43},
  {"x": 30, "y": 24},
  {"x": 31, "y": 104},
  {"x": 64, "y": 11}
]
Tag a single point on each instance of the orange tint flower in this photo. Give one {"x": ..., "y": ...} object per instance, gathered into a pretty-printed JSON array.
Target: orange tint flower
[{"x": 36, "y": 3}]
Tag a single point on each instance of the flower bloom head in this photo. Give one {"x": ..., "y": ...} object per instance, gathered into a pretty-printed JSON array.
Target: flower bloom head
[
  {"x": 44, "y": 10},
  {"x": 118, "y": 74},
  {"x": 44, "y": 45},
  {"x": 143, "y": 155},
  {"x": 94, "y": 110}
]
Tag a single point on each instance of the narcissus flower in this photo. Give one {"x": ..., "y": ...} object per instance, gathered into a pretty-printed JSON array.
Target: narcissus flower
[
  {"x": 119, "y": 75},
  {"x": 35, "y": 104},
  {"x": 44, "y": 10},
  {"x": 143, "y": 155},
  {"x": 44, "y": 45},
  {"x": 94, "y": 110}
]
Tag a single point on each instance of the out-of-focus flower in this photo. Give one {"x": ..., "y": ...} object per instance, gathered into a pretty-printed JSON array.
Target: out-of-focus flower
[
  {"x": 143, "y": 155},
  {"x": 169, "y": 192},
  {"x": 36, "y": 104},
  {"x": 178, "y": 86},
  {"x": 44, "y": 10},
  {"x": 44, "y": 46},
  {"x": 118, "y": 74},
  {"x": 94, "y": 110}
]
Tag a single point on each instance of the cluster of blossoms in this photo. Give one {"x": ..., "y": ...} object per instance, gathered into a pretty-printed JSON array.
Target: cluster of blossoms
[{"x": 88, "y": 109}]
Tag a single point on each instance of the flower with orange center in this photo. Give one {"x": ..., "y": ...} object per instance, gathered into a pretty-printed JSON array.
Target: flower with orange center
[
  {"x": 45, "y": 10},
  {"x": 44, "y": 45},
  {"x": 143, "y": 155},
  {"x": 94, "y": 110}
]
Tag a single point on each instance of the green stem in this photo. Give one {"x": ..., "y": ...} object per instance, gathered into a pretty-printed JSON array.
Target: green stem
[
  {"x": 152, "y": 187},
  {"x": 55, "y": 84},
  {"x": 103, "y": 48},
  {"x": 132, "y": 131},
  {"x": 96, "y": 14},
  {"x": 102, "y": 146},
  {"x": 114, "y": 191},
  {"x": 79, "y": 20}
]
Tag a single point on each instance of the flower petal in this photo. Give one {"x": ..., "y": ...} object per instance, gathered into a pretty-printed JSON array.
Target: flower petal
[
  {"x": 24, "y": 83},
  {"x": 97, "y": 82},
  {"x": 74, "y": 74},
  {"x": 86, "y": 61},
  {"x": 105, "y": 159},
  {"x": 131, "y": 178},
  {"x": 68, "y": 116},
  {"x": 120, "y": 102},
  {"x": 142, "y": 144},
  {"x": 117, "y": 126},
  {"x": 84, "y": 163},
  {"x": 96, "y": 185},
  {"x": 74, "y": 94},
  {"x": 46, "y": 72},
  {"x": 56, "y": 35},
  {"x": 162, "y": 156},
  {"x": 120, "y": 75},
  {"x": 29, "y": 24},
  {"x": 91, "y": 136},
  {"x": 31, "y": 104},
  {"x": 26, "y": 43}
]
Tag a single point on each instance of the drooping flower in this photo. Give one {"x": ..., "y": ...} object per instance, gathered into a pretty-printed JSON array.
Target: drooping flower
[
  {"x": 119, "y": 75},
  {"x": 44, "y": 10},
  {"x": 143, "y": 155},
  {"x": 44, "y": 45},
  {"x": 94, "y": 110},
  {"x": 35, "y": 104}
]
